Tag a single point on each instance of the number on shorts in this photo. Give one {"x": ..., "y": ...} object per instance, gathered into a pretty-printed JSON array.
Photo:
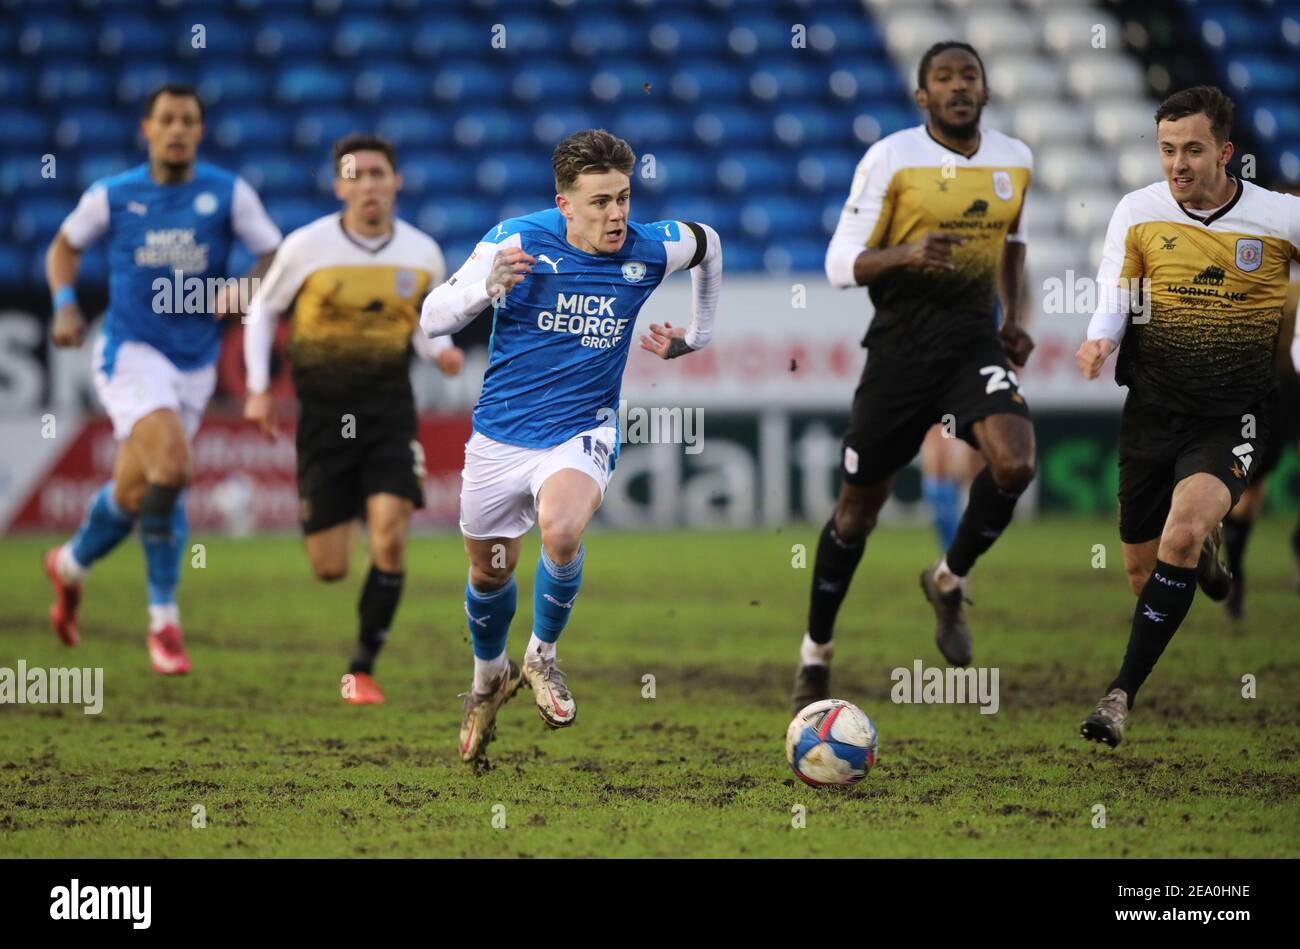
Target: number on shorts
[
  {"x": 417, "y": 456},
  {"x": 998, "y": 379}
]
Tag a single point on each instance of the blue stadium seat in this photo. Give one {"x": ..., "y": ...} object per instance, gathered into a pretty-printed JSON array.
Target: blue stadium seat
[
  {"x": 743, "y": 172},
  {"x": 240, "y": 126},
  {"x": 708, "y": 82},
  {"x": 1275, "y": 119},
  {"x": 733, "y": 127},
  {"x": 37, "y": 219},
  {"x": 552, "y": 125},
  {"x": 273, "y": 173},
  {"x": 600, "y": 38},
  {"x": 626, "y": 82},
  {"x": 460, "y": 80},
  {"x": 847, "y": 32},
  {"x": 675, "y": 35},
  {"x": 762, "y": 36},
  {"x": 741, "y": 253},
  {"x": 1256, "y": 74},
  {"x": 20, "y": 175},
  {"x": 388, "y": 84},
  {"x": 780, "y": 81},
  {"x": 43, "y": 35},
  {"x": 26, "y": 125},
  {"x": 827, "y": 170},
  {"x": 415, "y": 127},
  {"x": 804, "y": 255},
  {"x": 318, "y": 129},
  {"x": 366, "y": 36},
  {"x": 313, "y": 85},
  {"x": 516, "y": 174},
  {"x": 289, "y": 214},
  {"x": 674, "y": 170},
  {"x": 286, "y": 38},
  {"x": 723, "y": 216},
  {"x": 810, "y": 127},
  {"x": 442, "y": 36},
  {"x": 652, "y": 128},
  {"x": 531, "y": 35},
  {"x": 233, "y": 82},
  {"x": 138, "y": 79},
  {"x": 212, "y": 35},
  {"x": 97, "y": 167},
  {"x": 877, "y": 80},
  {"x": 16, "y": 83},
  {"x": 62, "y": 83},
  {"x": 469, "y": 218},
  {"x": 484, "y": 128},
  {"x": 95, "y": 128},
  {"x": 1225, "y": 28},
  {"x": 130, "y": 35},
  {"x": 435, "y": 173},
  {"x": 14, "y": 265},
  {"x": 773, "y": 214},
  {"x": 548, "y": 82}
]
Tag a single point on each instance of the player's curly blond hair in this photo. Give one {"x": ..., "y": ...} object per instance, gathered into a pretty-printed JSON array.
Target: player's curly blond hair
[{"x": 590, "y": 150}]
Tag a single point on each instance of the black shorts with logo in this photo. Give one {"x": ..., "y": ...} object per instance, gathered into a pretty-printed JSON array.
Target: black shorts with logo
[
  {"x": 1158, "y": 449},
  {"x": 899, "y": 398},
  {"x": 346, "y": 456}
]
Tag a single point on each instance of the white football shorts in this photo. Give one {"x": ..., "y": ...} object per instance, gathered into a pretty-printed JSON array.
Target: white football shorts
[
  {"x": 500, "y": 482},
  {"x": 143, "y": 380}
]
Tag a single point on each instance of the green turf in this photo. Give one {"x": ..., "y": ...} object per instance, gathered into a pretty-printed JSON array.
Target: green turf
[{"x": 259, "y": 737}]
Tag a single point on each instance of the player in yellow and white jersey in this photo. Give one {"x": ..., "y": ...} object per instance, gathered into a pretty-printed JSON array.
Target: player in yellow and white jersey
[
  {"x": 354, "y": 282},
  {"x": 933, "y": 227},
  {"x": 1192, "y": 280}
]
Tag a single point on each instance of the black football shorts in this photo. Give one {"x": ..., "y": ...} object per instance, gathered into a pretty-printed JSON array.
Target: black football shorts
[{"x": 898, "y": 399}]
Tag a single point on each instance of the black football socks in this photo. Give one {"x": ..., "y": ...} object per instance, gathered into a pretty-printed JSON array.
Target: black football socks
[
  {"x": 376, "y": 608},
  {"x": 832, "y": 571},
  {"x": 1161, "y": 607},
  {"x": 988, "y": 512}
]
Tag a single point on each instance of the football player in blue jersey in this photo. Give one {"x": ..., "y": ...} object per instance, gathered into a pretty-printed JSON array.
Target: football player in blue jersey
[
  {"x": 565, "y": 286},
  {"x": 170, "y": 224}
]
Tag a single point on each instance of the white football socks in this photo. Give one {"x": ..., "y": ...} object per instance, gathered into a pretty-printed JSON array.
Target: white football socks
[
  {"x": 945, "y": 579},
  {"x": 165, "y": 614},
  {"x": 488, "y": 671},
  {"x": 538, "y": 649},
  {"x": 67, "y": 567},
  {"x": 815, "y": 654}
]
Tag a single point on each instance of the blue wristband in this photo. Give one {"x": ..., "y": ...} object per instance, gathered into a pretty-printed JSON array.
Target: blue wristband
[{"x": 63, "y": 296}]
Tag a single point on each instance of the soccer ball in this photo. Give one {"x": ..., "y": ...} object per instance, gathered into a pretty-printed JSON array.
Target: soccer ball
[{"x": 831, "y": 742}]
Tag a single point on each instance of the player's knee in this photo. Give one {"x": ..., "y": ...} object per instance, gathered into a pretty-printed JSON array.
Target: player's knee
[
  {"x": 1181, "y": 540},
  {"x": 854, "y": 520},
  {"x": 487, "y": 578},
  {"x": 1012, "y": 474},
  {"x": 562, "y": 541},
  {"x": 331, "y": 571},
  {"x": 170, "y": 469},
  {"x": 388, "y": 549}
]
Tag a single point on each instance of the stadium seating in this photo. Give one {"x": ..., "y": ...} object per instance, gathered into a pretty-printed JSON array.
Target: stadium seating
[{"x": 735, "y": 116}]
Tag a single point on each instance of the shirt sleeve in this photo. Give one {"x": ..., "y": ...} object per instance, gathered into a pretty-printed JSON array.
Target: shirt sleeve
[
  {"x": 89, "y": 219},
  {"x": 250, "y": 221},
  {"x": 698, "y": 248},
  {"x": 864, "y": 220},
  {"x": 453, "y": 305},
  {"x": 275, "y": 294},
  {"x": 1020, "y": 233},
  {"x": 1121, "y": 262},
  {"x": 427, "y": 347}
]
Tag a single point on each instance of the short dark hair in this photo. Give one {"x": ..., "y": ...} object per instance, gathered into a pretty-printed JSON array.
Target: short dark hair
[
  {"x": 943, "y": 47},
  {"x": 590, "y": 150},
  {"x": 172, "y": 89},
  {"x": 1208, "y": 100},
  {"x": 363, "y": 142}
]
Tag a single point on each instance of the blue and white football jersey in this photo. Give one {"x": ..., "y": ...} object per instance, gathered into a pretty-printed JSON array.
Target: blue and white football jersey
[
  {"x": 560, "y": 338},
  {"x": 155, "y": 231}
]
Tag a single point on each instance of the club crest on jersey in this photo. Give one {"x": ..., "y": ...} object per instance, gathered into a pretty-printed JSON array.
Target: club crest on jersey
[
  {"x": 1250, "y": 253},
  {"x": 205, "y": 203},
  {"x": 407, "y": 281},
  {"x": 633, "y": 271},
  {"x": 1002, "y": 186}
]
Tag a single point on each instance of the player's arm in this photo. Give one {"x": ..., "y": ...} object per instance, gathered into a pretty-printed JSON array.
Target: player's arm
[
  {"x": 855, "y": 257},
  {"x": 698, "y": 249},
  {"x": 254, "y": 227},
  {"x": 1110, "y": 320},
  {"x": 86, "y": 224},
  {"x": 1011, "y": 278},
  {"x": 492, "y": 271},
  {"x": 439, "y": 349},
  {"x": 274, "y": 296}
]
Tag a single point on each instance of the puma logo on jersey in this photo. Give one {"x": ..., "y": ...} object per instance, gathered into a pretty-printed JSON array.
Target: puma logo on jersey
[
  {"x": 135, "y": 207},
  {"x": 554, "y": 264},
  {"x": 501, "y": 229}
]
